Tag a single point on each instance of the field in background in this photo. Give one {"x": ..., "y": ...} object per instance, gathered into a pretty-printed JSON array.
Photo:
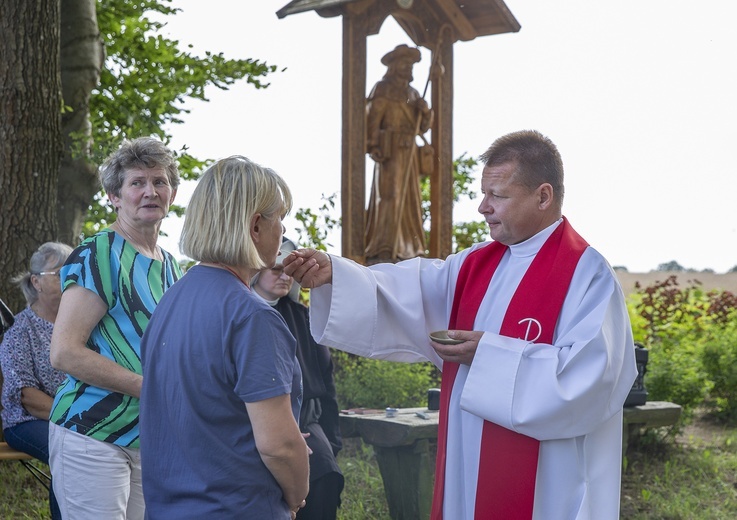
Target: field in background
[{"x": 726, "y": 282}]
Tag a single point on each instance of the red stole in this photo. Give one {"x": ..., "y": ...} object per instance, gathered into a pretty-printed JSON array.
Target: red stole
[{"x": 508, "y": 460}]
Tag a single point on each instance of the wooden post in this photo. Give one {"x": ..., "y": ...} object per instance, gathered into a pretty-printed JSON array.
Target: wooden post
[
  {"x": 441, "y": 182},
  {"x": 353, "y": 185}
]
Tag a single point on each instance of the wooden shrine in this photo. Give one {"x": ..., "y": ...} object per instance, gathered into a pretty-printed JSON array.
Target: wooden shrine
[{"x": 435, "y": 25}]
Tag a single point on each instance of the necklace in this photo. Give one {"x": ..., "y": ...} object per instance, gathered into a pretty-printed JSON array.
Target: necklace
[{"x": 234, "y": 274}]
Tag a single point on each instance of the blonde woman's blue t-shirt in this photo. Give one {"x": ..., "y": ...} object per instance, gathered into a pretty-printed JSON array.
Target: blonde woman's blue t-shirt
[{"x": 212, "y": 346}]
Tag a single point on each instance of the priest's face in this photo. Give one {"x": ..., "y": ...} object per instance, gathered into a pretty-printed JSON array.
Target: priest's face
[
  {"x": 512, "y": 210},
  {"x": 272, "y": 283}
]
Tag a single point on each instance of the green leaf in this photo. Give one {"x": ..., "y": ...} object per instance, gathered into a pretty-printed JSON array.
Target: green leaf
[{"x": 146, "y": 81}]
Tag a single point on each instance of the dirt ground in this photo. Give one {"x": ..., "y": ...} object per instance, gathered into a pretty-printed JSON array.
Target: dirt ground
[{"x": 704, "y": 430}]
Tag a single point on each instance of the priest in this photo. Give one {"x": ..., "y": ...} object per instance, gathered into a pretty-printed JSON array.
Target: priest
[{"x": 532, "y": 396}]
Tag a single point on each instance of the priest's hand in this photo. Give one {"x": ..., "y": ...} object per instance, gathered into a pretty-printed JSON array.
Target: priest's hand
[
  {"x": 309, "y": 267},
  {"x": 461, "y": 353}
]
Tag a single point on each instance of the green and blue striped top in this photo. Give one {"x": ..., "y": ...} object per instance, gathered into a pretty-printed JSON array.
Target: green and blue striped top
[{"x": 131, "y": 285}]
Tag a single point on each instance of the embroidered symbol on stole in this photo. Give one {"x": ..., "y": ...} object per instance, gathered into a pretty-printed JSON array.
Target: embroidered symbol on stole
[{"x": 532, "y": 326}]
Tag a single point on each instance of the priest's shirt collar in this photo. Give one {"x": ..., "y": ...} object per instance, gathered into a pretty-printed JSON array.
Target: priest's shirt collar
[{"x": 532, "y": 245}]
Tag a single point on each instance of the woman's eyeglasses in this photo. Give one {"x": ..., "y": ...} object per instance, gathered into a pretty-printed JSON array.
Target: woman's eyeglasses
[{"x": 51, "y": 273}]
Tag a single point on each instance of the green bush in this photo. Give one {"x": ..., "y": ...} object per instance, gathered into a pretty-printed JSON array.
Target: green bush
[
  {"x": 680, "y": 327},
  {"x": 690, "y": 334},
  {"x": 675, "y": 374},
  {"x": 720, "y": 363},
  {"x": 370, "y": 383}
]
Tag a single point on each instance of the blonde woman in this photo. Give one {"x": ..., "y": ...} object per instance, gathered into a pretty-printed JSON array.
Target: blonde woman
[{"x": 222, "y": 386}]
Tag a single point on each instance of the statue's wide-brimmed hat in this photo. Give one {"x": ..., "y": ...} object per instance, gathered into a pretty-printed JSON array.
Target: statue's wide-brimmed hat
[{"x": 402, "y": 52}]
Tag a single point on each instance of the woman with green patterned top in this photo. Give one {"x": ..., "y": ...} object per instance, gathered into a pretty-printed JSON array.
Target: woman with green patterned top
[{"x": 111, "y": 284}]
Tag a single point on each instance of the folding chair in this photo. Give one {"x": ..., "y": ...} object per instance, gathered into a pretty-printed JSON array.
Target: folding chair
[{"x": 8, "y": 453}]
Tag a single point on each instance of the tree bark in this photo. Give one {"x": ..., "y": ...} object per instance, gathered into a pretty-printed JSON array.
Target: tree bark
[
  {"x": 82, "y": 57},
  {"x": 30, "y": 142}
]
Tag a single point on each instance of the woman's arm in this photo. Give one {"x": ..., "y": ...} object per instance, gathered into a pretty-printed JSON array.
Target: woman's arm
[
  {"x": 281, "y": 446},
  {"x": 37, "y": 403},
  {"x": 79, "y": 313}
]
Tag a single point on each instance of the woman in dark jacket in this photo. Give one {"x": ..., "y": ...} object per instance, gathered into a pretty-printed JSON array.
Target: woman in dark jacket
[{"x": 319, "y": 413}]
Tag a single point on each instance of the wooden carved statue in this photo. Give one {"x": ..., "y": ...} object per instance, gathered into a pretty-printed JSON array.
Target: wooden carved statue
[{"x": 396, "y": 116}]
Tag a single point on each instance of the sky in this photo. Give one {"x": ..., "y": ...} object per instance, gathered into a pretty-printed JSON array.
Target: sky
[{"x": 638, "y": 95}]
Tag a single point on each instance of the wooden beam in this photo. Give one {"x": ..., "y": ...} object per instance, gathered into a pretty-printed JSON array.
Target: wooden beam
[
  {"x": 353, "y": 174},
  {"x": 441, "y": 181},
  {"x": 464, "y": 28}
]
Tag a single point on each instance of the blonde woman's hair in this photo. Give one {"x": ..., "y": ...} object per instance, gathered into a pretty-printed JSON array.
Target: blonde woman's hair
[{"x": 217, "y": 221}]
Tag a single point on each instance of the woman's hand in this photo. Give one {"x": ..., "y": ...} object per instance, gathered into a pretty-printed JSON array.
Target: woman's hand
[
  {"x": 281, "y": 446},
  {"x": 304, "y": 436},
  {"x": 36, "y": 402},
  {"x": 294, "y": 511}
]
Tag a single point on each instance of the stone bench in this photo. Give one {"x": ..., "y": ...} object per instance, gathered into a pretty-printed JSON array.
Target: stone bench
[
  {"x": 652, "y": 414},
  {"x": 405, "y": 446}
]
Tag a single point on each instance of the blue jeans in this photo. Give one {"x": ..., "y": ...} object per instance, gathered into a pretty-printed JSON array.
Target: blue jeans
[{"x": 32, "y": 437}]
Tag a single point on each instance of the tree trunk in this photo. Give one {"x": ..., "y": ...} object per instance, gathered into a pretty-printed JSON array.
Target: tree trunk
[
  {"x": 82, "y": 56},
  {"x": 30, "y": 142}
]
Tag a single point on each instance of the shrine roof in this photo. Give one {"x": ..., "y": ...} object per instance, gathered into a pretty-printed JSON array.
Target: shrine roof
[{"x": 469, "y": 18}]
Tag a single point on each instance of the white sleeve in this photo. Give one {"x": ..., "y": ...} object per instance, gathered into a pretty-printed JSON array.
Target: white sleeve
[
  {"x": 387, "y": 310},
  {"x": 571, "y": 387}
]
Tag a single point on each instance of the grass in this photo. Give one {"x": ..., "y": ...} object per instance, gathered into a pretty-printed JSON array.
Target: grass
[
  {"x": 22, "y": 497},
  {"x": 363, "y": 495},
  {"x": 692, "y": 477}
]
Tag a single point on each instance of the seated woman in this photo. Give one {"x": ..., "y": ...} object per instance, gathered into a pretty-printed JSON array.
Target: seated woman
[
  {"x": 319, "y": 414},
  {"x": 29, "y": 380}
]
